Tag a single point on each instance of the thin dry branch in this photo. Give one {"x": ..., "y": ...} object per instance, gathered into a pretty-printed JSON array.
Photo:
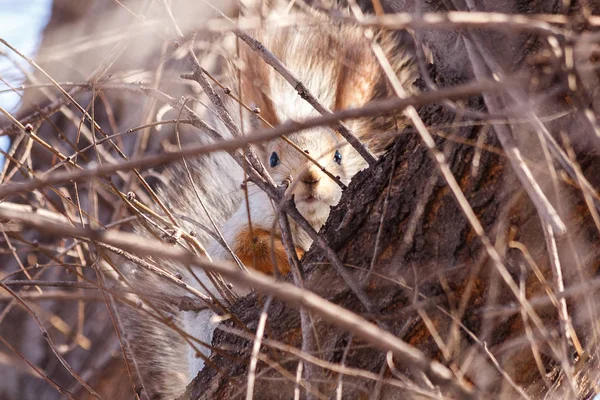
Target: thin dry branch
[
  {"x": 544, "y": 24},
  {"x": 372, "y": 109},
  {"x": 360, "y": 327},
  {"x": 303, "y": 92}
]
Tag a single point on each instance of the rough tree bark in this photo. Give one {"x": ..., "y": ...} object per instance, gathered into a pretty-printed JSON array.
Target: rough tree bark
[
  {"x": 429, "y": 270},
  {"x": 436, "y": 253}
]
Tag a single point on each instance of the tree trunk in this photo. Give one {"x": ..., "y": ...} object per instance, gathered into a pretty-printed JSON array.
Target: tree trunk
[{"x": 429, "y": 272}]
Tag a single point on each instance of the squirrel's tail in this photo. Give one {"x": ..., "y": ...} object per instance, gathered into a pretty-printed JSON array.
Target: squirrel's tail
[{"x": 154, "y": 325}]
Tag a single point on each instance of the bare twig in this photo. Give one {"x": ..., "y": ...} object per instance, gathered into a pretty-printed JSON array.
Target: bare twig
[
  {"x": 372, "y": 109},
  {"x": 360, "y": 327}
]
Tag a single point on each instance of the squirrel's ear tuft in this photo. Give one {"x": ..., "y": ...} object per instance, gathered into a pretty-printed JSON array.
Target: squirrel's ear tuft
[
  {"x": 256, "y": 90},
  {"x": 357, "y": 70},
  {"x": 357, "y": 89},
  {"x": 399, "y": 48},
  {"x": 364, "y": 79}
]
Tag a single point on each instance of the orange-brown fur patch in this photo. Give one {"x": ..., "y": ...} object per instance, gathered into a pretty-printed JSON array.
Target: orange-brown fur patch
[
  {"x": 357, "y": 74},
  {"x": 255, "y": 251},
  {"x": 255, "y": 91}
]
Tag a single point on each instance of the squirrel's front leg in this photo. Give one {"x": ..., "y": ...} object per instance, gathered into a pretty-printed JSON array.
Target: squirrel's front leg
[{"x": 257, "y": 248}]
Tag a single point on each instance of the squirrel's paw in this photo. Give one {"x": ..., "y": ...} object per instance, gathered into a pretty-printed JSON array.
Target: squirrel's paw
[{"x": 257, "y": 249}]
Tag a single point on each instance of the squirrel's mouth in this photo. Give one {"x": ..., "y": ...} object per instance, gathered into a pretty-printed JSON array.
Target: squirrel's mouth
[{"x": 310, "y": 199}]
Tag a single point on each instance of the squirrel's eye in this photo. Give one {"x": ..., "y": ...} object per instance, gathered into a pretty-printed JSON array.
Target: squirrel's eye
[
  {"x": 337, "y": 157},
  {"x": 274, "y": 161}
]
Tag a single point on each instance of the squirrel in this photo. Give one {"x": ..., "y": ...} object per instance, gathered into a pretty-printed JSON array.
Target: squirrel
[{"x": 336, "y": 63}]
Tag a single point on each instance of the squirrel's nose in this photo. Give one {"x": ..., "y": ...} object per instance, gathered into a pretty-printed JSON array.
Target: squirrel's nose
[{"x": 311, "y": 176}]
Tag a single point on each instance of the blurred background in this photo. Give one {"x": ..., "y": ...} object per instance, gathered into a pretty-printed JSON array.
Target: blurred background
[
  {"x": 77, "y": 43},
  {"x": 21, "y": 25}
]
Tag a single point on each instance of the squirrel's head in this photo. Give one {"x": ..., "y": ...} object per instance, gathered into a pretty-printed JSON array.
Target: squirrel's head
[
  {"x": 313, "y": 189},
  {"x": 337, "y": 64}
]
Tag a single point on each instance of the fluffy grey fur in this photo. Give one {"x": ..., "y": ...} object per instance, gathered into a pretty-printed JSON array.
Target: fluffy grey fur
[{"x": 334, "y": 61}]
